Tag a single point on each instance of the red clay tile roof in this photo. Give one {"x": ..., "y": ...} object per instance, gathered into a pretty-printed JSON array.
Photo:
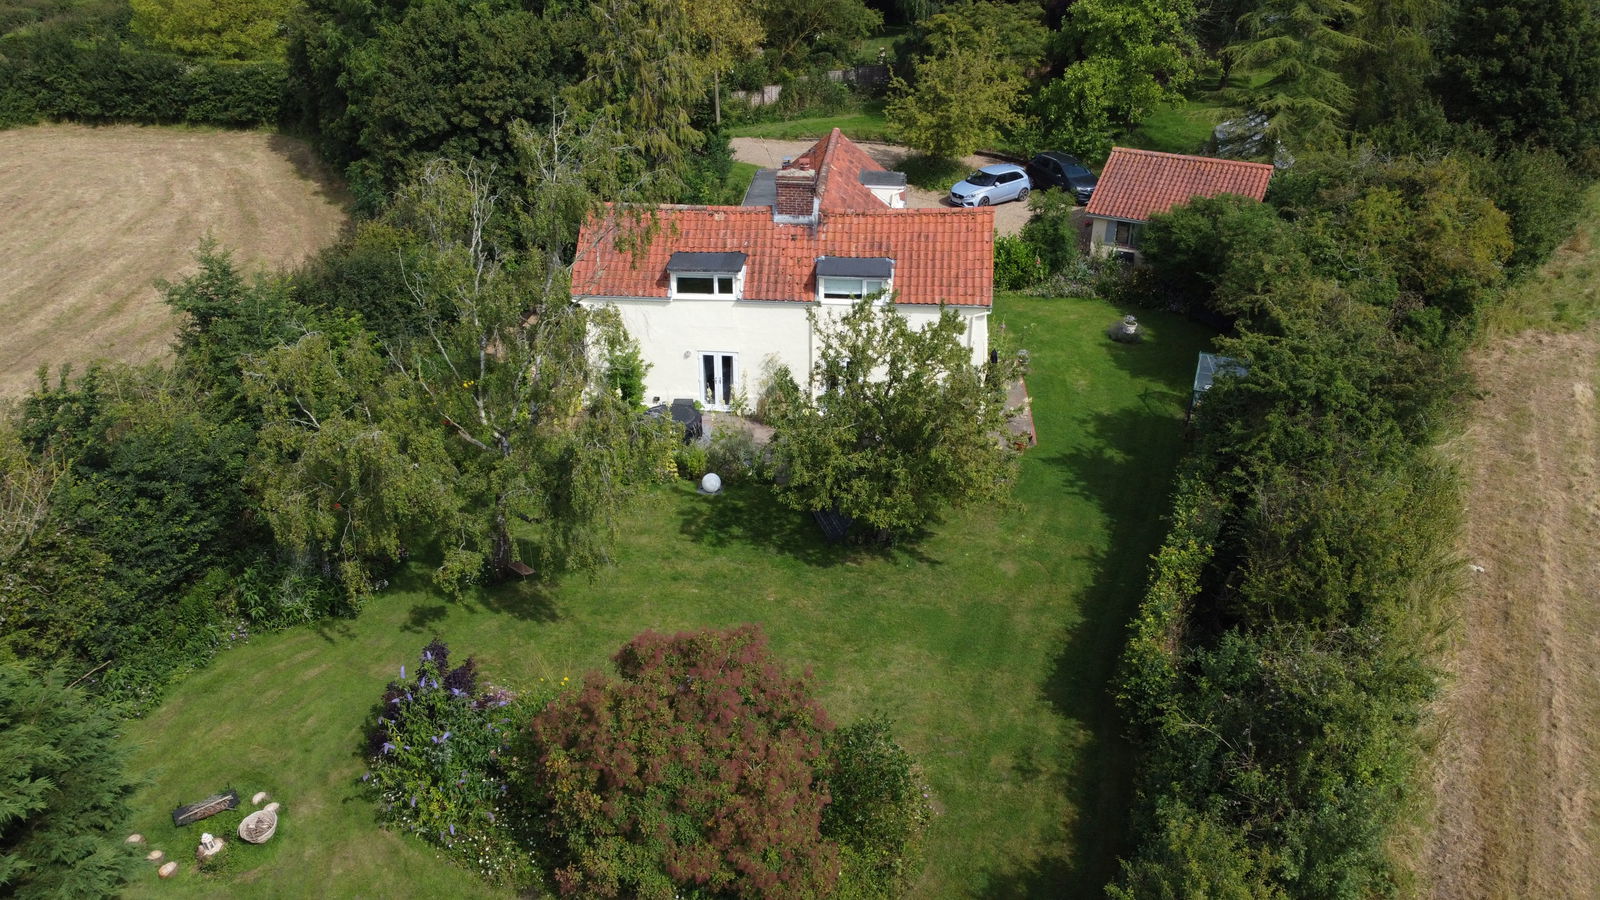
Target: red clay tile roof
[
  {"x": 839, "y": 163},
  {"x": 940, "y": 254},
  {"x": 1137, "y": 184}
]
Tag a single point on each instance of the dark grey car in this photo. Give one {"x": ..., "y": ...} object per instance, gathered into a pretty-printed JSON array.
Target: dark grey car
[{"x": 1052, "y": 169}]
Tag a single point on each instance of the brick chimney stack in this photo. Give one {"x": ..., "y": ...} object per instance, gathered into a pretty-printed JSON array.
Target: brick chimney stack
[{"x": 797, "y": 189}]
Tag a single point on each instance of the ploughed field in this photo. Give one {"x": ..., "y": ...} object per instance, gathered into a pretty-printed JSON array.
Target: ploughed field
[{"x": 90, "y": 218}]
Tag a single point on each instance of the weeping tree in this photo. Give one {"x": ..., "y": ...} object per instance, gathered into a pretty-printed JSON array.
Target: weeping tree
[
  {"x": 653, "y": 66},
  {"x": 494, "y": 433}
]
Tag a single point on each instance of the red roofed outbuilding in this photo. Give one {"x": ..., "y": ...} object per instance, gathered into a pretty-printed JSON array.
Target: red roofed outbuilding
[
  {"x": 715, "y": 295},
  {"x": 1137, "y": 184}
]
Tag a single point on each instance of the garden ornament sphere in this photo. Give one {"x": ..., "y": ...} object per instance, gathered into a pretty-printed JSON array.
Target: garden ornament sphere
[{"x": 711, "y": 483}]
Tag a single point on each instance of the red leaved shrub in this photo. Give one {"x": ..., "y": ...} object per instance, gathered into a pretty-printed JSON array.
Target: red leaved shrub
[{"x": 695, "y": 768}]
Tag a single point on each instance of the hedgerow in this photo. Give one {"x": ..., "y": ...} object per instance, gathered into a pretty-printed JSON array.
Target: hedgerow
[
  {"x": 53, "y": 76},
  {"x": 1278, "y": 667}
]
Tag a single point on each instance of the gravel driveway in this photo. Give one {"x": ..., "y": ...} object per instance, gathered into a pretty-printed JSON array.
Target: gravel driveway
[{"x": 770, "y": 154}]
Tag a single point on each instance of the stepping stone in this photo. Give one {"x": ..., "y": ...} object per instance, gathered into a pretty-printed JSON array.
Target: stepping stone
[
  {"x": 273, "y": 806},
  {"x": 168, "y": 870},
  {"x": 134, "y": 839},
  {"x": 155, "y": 856},
  {"x": 260, "y": 796}
]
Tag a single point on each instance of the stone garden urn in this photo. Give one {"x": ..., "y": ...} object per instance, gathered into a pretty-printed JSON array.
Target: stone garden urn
[{"x": 1125, "y": 331}]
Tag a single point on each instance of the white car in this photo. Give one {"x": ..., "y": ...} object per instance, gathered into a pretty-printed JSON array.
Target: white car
[{"x": 992, "y": 184}]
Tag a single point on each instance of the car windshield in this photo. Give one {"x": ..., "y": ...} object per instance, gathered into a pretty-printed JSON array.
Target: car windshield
[{"x": 980, "y": 179}]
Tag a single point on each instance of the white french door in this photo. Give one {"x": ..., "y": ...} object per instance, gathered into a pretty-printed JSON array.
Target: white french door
[{"x": 719, "y": 379}]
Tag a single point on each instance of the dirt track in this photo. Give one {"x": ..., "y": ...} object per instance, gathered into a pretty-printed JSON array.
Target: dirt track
[
  {"x": 769, "y": 154},
  {"x": 91, "y": 217},
  {"x": 1516, "y": 776}
]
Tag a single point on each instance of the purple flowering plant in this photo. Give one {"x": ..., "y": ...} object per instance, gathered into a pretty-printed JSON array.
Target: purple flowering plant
[{"x": 434, "y": 762}]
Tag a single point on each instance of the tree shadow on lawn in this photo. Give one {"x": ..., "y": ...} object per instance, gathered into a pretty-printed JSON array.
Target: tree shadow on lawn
[
  {"x": 425, "y": 616},
  {"x": 334, "y": 631},
  {"x": 529, "y": 599},
  {"x": 750, "y": 515},
  {"x": 1113, "y": 469}
]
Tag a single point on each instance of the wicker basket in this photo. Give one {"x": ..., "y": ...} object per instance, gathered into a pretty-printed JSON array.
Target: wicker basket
[{"x": 259, "y": 826}]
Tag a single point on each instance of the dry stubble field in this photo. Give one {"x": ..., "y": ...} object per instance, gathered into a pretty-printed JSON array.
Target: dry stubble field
[
  {"x": 90, "y": 218},
  {"x": 1516, "y": 772}
]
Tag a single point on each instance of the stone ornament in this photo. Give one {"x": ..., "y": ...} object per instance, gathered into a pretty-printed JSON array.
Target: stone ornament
[
  {"x": 210, "y": 845},
  {"x": 1125, "y": 331},
  {"x": 258, "y": 827}
]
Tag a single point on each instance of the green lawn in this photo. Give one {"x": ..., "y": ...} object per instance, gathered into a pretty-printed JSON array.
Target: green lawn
[
  {"x": 739, "y": 179},
  {"x": 1183, "y": 128},
  {"x": 990, "y": 644},
  {"x": 862, "y": 125},
  {"x": 1186, "y": 127}
]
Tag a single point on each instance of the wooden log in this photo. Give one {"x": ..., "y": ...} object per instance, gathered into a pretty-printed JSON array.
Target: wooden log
[{"x": 194, "y": 812}]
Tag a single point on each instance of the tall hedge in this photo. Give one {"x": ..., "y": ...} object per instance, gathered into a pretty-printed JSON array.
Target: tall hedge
[
  {"x": 1278, "y": 667},
  {"x": 55, "y": 76}
]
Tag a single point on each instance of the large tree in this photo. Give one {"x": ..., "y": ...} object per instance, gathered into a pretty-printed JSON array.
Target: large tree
[
  {"x": 971, "y": 79},
  {"x": 393, "y": 84},
  {"x": 1122, "y": 59},
  {"x": 495, "y": 421},
  {"x": 652, "y": 66},
  {"x": 896, "y": 423},
  {"x": 1389, "y": 75},
  {"x": 63, "y": 795},
  {"x": 1529, "y": 71},
  {"x": 795, "y": 28},
  {"x": 1145, "y": 49},
  {"x": 1301, "y": 46}
]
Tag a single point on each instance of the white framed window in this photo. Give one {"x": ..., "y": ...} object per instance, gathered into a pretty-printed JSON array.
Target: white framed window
[
  {"x": 706, "y": 285},
  {"x": 844, "y": 289}
]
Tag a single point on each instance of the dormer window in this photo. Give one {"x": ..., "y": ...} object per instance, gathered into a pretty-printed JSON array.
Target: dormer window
[
  {"x": 845, "y": 279},
  {"x": 697, "y": 285},
  {"x": 706, "y": 276},
  {"x": 850, "y": 288}
]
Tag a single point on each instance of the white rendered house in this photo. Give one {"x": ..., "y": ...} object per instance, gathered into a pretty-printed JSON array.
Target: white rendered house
[{"x": 715, "y": 295}]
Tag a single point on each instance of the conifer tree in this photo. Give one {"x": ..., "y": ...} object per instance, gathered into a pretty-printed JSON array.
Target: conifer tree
[
  {"x": 1301, "y": 46},
  {"x": 63, "y": 798},
  {"x": 1528, "y": 70}
]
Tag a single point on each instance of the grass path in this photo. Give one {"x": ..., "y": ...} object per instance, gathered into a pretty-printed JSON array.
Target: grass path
[
  {"x": 1515, "y": 778},
  {"x": 991, "y": 646}
]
